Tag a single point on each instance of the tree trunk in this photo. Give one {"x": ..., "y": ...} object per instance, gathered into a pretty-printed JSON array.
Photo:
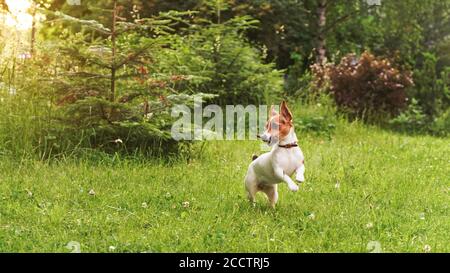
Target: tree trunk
[
  {"x": 33, "y": 31},
  {"x": 113, "y": 62},
  {"x": 321, "y": 51}
]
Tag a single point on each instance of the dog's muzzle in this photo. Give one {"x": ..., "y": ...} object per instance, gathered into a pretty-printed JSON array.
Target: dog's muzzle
[{"x": 265, "y": 139}]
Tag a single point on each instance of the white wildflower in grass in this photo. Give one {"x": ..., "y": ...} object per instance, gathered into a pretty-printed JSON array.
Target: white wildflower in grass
[
  {"x": 374, "y": 247},
  {"x": 144, "y": 205},
  {"x": 118, "y": 141},
  {"x": 74, "y": 246},
  {"x": 312, "y": 216},
  {"x": 92, "y": 192},
  {"x": 337, "y": 185},
  {"x": 30, "y": 194},
  {"x": 427, "y": 248},
  {"x": 112, "y": 248},
  {"x": 185, "y": 204},
  {"x": 422, "y": 216},
  {"x": 369, "y": 225}
]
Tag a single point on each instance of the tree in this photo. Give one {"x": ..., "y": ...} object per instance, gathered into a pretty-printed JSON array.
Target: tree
[{"x": 112, "y": 86}]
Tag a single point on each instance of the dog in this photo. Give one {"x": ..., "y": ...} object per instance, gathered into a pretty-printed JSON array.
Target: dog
[{"x": 277, "y": 166}]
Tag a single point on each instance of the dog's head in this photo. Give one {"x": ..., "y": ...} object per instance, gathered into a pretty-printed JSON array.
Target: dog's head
[{"x": 278, "y": 126}]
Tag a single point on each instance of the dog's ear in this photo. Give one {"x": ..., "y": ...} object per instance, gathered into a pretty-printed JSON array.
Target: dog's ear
[
  {"x": 273, "y": 112},
  {"x": 285, "y": 112}
]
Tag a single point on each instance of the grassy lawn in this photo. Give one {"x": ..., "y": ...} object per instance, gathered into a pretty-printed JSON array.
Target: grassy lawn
[{"x": 362, "y": 185}]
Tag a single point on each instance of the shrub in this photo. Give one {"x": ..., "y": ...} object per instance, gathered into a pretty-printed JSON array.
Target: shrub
[
  {"x": 316, "y": 115},
  {"x": 431, "y": 87},
  {"x": 229, "y": 65},
  {"x": 412, "y": 119},
  {"x": 366, "y": 87},
  {"x": 441, "y": 125}
]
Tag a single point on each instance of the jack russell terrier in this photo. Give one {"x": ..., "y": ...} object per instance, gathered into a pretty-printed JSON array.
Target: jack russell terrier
[{"x": 278, "y": 165}]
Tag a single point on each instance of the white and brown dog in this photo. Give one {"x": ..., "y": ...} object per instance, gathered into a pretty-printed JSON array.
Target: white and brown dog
[{"x": 278, "y": 165}]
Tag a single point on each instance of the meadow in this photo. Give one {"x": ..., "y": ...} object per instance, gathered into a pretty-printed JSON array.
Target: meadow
[
  {"x": 89, "y": 95},
  {"x": 366, "y": 190}
]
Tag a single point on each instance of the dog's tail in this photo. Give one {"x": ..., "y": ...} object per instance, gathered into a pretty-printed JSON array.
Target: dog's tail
[{"x": 254, "y": 157}]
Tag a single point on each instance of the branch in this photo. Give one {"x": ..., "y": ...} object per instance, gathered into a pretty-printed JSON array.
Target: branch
[
  {"x": 329, "y": 3},
  {"x": 344, "y": 18},
  {"x": 87, "y": 74},
  {"x": 131, "y": 57},
  {"x": 124, "y": 76},
  {"x": 88, "y": 23}
]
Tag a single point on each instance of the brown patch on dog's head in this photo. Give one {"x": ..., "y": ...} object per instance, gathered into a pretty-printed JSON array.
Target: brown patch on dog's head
[{"x": 279, "y": 124}]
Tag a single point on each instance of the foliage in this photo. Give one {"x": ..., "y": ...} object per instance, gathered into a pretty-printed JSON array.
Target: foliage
[
  {"x": 441, "y": 125},
  {"x": 24, "y": 111},
  {"x": 111, "y": 91},
  {"x": 362, "y": 184},
  {"x": 432, "y": 88},
  {"x": 365, "y": 85},
  {"x": 62, "y": 97},
  {"x": 235, "y": 69},
  {"x": 412, "y": 119},
  {"x": 95, "y": 96},
  {"x": 428, "y": 111},
  {"x": 316, "y": 115}
]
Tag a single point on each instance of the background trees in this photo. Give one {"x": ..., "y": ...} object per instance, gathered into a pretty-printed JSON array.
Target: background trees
[{"x": 106, "y": 68}]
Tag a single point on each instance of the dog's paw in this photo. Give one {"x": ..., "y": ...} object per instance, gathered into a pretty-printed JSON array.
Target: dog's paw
[
  {"x": 293, "y": 188},
  {"x": 300, "y": 178}
]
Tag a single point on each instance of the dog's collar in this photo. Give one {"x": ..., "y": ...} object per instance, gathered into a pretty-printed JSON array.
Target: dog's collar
[{"x": 288, "y": 146}]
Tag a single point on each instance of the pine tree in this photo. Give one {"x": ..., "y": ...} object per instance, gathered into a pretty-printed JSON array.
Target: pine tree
[{"x": 111, "y": 87}]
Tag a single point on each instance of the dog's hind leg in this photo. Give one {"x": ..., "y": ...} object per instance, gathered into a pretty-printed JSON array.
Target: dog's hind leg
[
  {"x": 252, "y": 189},
  {"x": 272, "y": 194},
  {"x": 251, "y": 186},
  {"x": 251, "y": 196}
]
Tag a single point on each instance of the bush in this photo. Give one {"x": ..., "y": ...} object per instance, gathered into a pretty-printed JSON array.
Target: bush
[
  {"x": 431, "y": 87},
  {"x": 411, "y": 120},
  {"x": 367, "y": 87},
  {"x": 229, "y": 66},
  {"x": 441, "y": 125},
  {"x": 316, "y": 115},
  {"x": 414, "y": 120}
]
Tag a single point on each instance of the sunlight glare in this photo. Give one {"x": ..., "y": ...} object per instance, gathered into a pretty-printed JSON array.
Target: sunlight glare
[{"x": 19, "y": 17}]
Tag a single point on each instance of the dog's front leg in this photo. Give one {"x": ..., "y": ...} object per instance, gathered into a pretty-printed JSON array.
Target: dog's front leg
[
  {"x": 300, "y": 173},
  {"x": 282, "y": 176}
]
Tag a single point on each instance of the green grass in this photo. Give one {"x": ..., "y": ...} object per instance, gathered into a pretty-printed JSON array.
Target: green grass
[{"x": 393, "y": 189}]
